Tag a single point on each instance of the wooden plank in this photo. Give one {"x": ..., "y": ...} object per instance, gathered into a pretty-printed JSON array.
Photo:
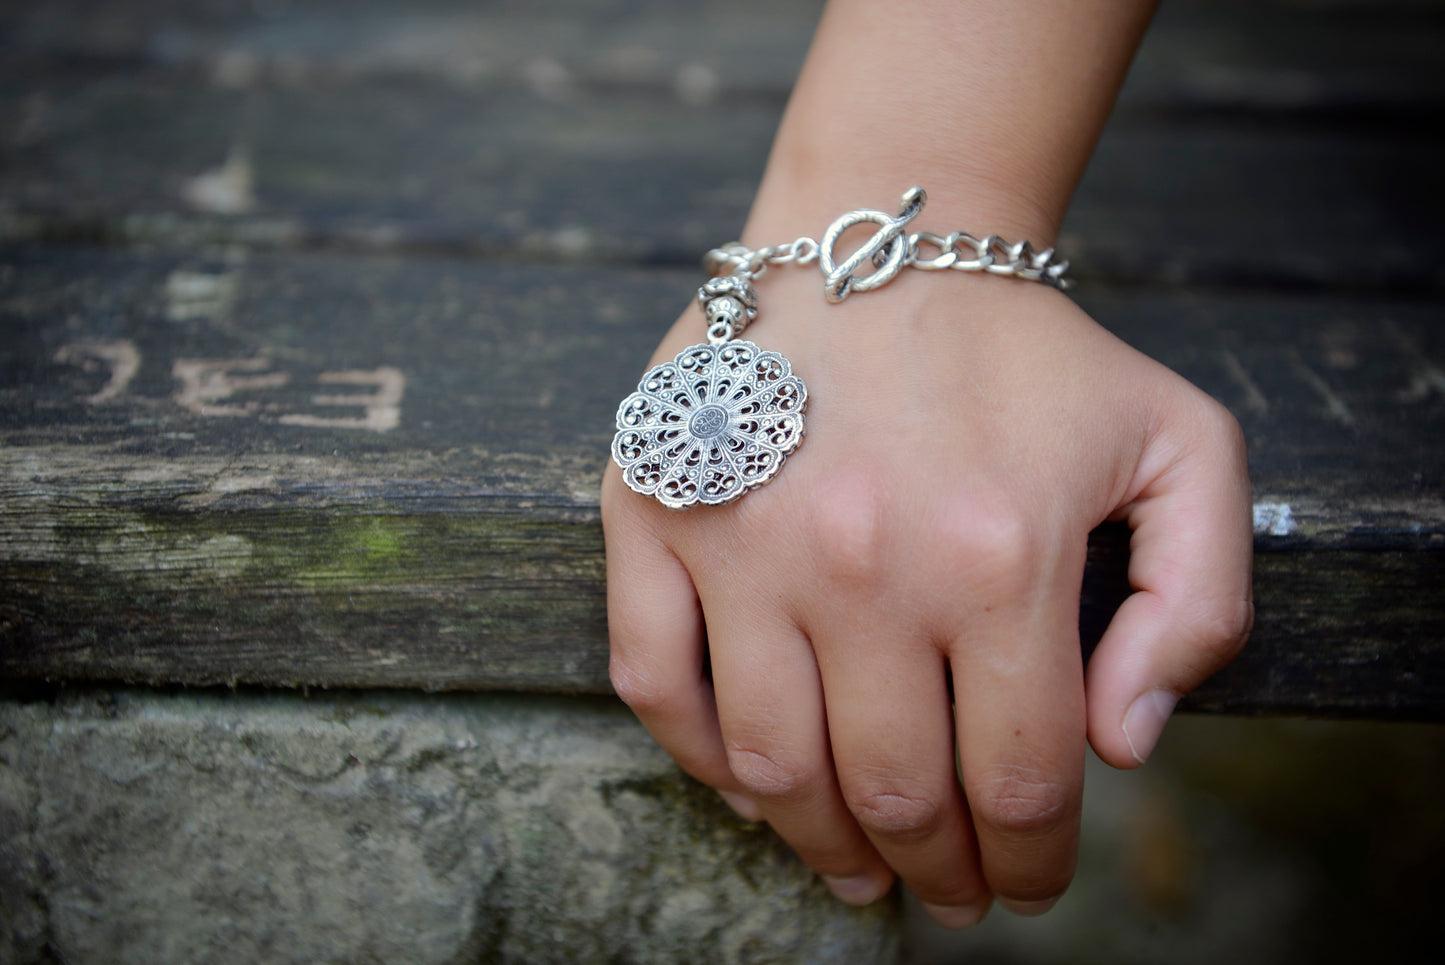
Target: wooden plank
[
  {"x": 1198, "y": 55},
  {"x": 1213, "y": 202},
  {"x": 1342, "y": 633},
  {"x": 177, "y": 505},
  {"x": 289, "y": 581},
  {"x": 1329, "y": 61},
  {"x": 359, "y": 144},
  {"x": 143, "y": 157},
  {"x": 529, "y": 360},
  {"x": 550, "y": 46}
]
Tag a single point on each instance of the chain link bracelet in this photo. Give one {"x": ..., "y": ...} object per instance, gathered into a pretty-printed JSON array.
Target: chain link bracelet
[{"x": 721, "y": 417}]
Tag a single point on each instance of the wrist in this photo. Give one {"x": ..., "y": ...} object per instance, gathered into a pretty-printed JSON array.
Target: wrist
[
  {"x": 993, "y": 109},
  {"x": 811, "y": 178}
]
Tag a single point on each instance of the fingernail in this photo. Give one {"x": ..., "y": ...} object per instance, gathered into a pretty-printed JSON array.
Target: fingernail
[
  {"x": 745, "y": 806},
  {"x": 859, "y": 890},
  {"x": 1028, "y": 909},
  {"x": 1146, "y": 719},
  {"x": 957, "y": 917}
]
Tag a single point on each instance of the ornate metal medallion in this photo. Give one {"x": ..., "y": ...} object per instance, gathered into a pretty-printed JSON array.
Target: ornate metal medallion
[{"x": 715, "y": 422}]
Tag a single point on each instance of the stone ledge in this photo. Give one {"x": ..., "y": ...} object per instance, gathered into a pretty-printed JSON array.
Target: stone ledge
[{"x": 147, "y": 827}]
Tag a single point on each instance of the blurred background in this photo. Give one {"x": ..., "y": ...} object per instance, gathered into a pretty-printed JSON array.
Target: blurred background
[{"x": 1244, "y": 841}]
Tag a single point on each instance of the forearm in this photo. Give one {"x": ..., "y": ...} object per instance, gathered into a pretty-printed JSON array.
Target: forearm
[{"x": 993, "y": 107}]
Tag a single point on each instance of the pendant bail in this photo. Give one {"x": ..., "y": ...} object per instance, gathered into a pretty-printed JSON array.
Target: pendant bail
[{"x": 729, "y": 304}]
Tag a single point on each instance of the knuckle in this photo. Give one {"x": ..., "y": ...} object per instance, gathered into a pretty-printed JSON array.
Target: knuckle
[
  {"x": 1222, "y": 420},
  {"x": 637, "y": 687},
  {"x": 1233, "y": 435},
  {"x": 1021, "y": 802},
  {"x": 892, "y": 811},
  {"x": 993, "y": 538},
  {"x": 768, "y": 773},
  {"x": 851, "y": 529},
  {"x": 1222, "y": 431},
  {"x": 1217, "y": 630}
]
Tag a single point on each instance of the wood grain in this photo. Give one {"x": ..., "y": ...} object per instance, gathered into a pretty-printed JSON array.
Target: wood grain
[
  {"x": 1280, "y": 148},
  {"x": 145, "y": 537}
]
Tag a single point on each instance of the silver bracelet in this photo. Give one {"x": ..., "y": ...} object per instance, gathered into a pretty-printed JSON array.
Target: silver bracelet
[{"x": 721, "y": 417}]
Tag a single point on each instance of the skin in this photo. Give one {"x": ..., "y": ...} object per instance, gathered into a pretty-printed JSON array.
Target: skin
[{"x": 898, "y": 608}]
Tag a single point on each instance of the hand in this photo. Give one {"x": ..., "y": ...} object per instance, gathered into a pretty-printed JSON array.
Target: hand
[{"x": 898, "y": 608}]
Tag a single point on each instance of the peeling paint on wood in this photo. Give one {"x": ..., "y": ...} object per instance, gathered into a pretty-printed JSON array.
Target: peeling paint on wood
[{"x": 1273, "y": 519}]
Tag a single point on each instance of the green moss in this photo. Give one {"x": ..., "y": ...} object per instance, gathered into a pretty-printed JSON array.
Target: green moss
[{"x": 366, "y": 547}]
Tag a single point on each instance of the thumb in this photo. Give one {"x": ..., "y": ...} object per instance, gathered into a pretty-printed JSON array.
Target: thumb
[{"x": 1190, "y": 567}]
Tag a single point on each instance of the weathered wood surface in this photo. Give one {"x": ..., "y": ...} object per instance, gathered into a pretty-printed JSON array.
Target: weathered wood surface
[
  {"x": 622, "y": 134},
  {"x": 218, "y": 221},
  {"x": 151, "y": 534}
]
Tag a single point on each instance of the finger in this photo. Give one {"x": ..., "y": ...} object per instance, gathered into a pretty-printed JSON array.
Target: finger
[
  {"x": 773, "y": 723},
  {"x": 891, "y": 726},
  {"x": 1190, "y": 567},
  {"x": 1019, "y": 706},
  {"x": 658, "y": 645}
]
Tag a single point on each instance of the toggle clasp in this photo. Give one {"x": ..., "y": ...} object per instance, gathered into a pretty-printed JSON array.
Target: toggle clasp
[{"x": 887, "y": 248}]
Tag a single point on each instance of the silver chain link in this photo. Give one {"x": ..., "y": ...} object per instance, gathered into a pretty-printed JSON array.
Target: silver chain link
[
  {"x": 735, "y": 257},
  {"x": 958, "y": 251},
  {"x": 963, "y": 252}
]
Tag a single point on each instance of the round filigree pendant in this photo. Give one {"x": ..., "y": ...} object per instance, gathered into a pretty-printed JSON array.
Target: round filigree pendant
[{"x": 715, "y": 422}]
